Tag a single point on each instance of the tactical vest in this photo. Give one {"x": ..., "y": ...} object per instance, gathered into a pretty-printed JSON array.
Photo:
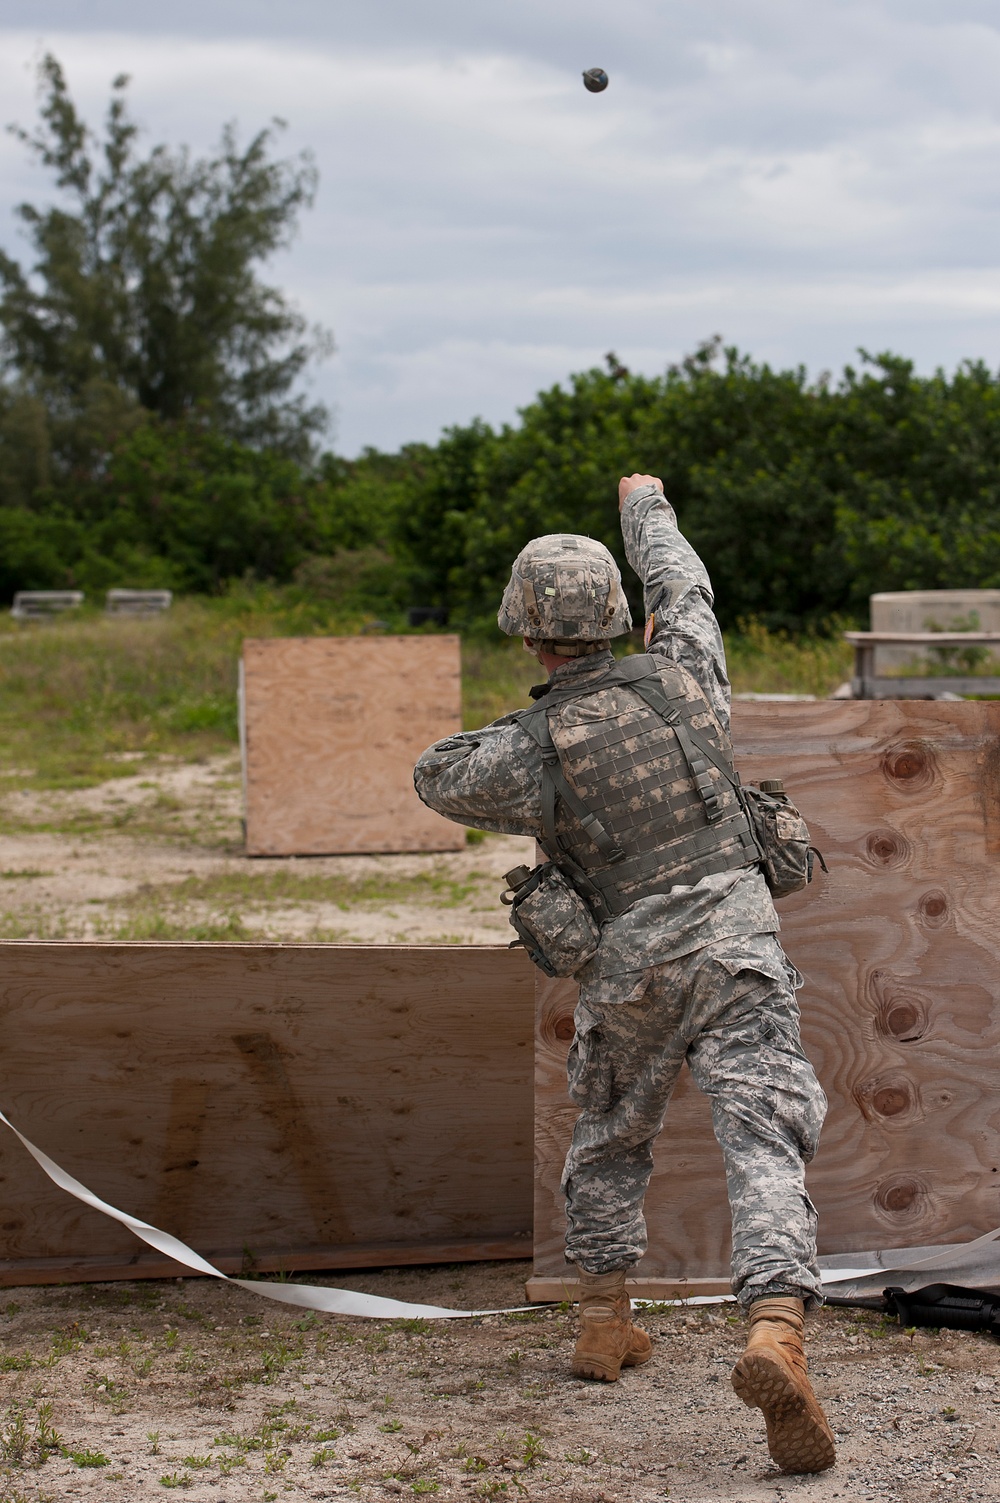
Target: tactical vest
[{"x": 639, "y": 794}]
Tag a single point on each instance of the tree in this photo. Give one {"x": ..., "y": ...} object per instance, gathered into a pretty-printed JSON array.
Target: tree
[{"x": 145, "y": 294}]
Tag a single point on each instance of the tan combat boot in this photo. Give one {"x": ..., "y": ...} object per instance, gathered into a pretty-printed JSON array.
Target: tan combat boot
[
  {"x": 771, "y": 1376},
  {"x": 608, "y": 1340}
]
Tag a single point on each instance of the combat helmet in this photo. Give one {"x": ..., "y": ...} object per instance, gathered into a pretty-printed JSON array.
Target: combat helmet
[{"x": 565, "y": 593}]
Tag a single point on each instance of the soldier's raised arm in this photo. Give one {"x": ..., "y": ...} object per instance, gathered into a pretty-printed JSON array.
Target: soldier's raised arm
[{"x": 676, "y": 589}]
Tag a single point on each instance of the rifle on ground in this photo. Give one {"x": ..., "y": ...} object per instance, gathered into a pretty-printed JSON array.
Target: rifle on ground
[{"x": 936, "y": 1305}]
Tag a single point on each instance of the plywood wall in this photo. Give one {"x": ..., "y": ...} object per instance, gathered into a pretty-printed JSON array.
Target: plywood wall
[
  {"x": 319, "y": 1105},
  {"x": 900, "y": 947},
  {"x": 331, "y": 729}
]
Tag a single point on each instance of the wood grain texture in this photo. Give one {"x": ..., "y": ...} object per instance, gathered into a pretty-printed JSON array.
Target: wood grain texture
[
  {"x": 151, "y": 1265},
  {"x": 299, "y": 1102},
  {"x": 332, "y": 728},
  {"x": 900, "y": 948}
]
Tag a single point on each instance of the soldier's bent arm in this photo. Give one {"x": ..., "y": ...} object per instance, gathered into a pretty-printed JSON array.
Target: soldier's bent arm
[
  {"x": 677, "y": 593},
  {"x": 489, "y": 779}
]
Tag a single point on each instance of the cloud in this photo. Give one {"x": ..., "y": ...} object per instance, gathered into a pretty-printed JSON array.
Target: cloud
[{"x": 805, "y": 177}]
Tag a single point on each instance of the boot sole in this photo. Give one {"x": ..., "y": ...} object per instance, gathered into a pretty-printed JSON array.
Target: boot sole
[
  {"x": 797, "y": 1439},
  {"x": 587, "y": 1367}
]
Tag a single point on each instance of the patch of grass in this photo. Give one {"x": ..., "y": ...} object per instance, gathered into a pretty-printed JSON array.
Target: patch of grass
[
  {"x": 496, "y": 678},
  {"x": 91, "y": 699},
  {"x": 65, "y": 1340},
  {"x": 232, "y": 907},
  {"x": 107, "y": 1391},
  {"x": 76, "y": 697},
  {"x": 415, "y": 1326},
  {"x": 15, "y": 1362},
  {"x": 532, "y": 1451},
  {"x": 87, "y": 699},
  {"x": 87, "y": 1458},
  {"x": 242, "y": 890},
  {"x": 228, "y": 928},
  {"x": 27, "y": 1435},
  {"x": 765, "y": 662}
]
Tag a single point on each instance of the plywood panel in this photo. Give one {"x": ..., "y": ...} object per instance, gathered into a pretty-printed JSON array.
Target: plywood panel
[
  {"x": 317, "y": 1105},
  {"x": 900, "y": 947},
  {"x": 332, "y": 728}
]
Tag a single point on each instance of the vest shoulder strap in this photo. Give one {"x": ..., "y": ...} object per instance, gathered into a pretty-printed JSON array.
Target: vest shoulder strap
[
  {"x": 554, "y": 781},
  {"x": 641, "y": 673}
]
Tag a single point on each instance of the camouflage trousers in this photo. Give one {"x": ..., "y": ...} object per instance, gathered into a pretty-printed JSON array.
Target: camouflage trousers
[{"x": 730, "y": 1011}]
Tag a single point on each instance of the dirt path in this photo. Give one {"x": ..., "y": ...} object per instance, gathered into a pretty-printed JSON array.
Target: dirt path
[
  {"x": 159, "y": 855},
  {"x": 193, "y": 1386}
]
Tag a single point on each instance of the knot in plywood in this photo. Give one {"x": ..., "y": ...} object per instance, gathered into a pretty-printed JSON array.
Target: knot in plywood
[
  {"x": 889, "y": 1099},
  {"x": 901, "y": 1011},
  {"x": 903, "y": 1200},
  {"x": 556, "y": 1025},
  {"x": 904, "y": 1019},
  {"x": 933, "y": 908},
  {"x": 888, "y": 848},
  {"x": 910, "y": 766}
]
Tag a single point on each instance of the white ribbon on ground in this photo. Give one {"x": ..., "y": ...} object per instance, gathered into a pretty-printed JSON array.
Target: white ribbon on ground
[
  {"x": 976, "y": 1263},
  {"x": 307, "y": 1296}
]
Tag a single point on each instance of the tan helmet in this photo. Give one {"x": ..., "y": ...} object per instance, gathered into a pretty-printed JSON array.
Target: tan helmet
[{"x": 564, "y": 588}]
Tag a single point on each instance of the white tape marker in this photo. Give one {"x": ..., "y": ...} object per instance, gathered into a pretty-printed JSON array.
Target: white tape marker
[
  {"x": 307, "y": 1296},
  {"x": 949, "y": 1259}
]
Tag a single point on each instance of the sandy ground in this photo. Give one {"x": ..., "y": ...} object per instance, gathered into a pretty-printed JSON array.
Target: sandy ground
[
  {"x": 92, "y": 863},
  {"x": 121, "y": 1392},
  {"x": 189, "y": 1385}
]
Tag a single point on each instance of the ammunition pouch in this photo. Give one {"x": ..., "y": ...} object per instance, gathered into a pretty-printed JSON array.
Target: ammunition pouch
[
  {"x": 552, "y": 920},
  {"x": 786, "y": 854}
]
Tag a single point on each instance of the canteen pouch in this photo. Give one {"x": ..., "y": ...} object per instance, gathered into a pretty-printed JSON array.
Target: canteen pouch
[
  {"x": 783, "y": 837},
  {"x": 552, "y": 920}
]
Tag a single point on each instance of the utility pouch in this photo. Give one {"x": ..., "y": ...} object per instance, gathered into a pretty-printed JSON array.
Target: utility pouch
[
  {"x": 787, "y": 856},
  {"x": 552, "y": 920}
]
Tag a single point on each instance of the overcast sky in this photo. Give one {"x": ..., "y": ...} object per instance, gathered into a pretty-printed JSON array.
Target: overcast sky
[{"x": 801, "y": 176}]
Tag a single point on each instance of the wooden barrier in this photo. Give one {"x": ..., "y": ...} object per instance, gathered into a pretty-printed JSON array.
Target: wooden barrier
[
  {"x": 900, "y": 947},
  {"x": 306, "y": 1106},
  {"x": 343, "y": 1106},
  {"x": 330, "y": 730}
]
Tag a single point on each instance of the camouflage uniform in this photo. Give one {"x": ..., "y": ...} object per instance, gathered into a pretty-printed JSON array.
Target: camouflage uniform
[{"x": 695, "y": 973}]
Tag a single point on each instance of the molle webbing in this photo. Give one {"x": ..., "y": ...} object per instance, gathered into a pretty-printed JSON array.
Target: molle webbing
[{"x": 635, "y": 799}]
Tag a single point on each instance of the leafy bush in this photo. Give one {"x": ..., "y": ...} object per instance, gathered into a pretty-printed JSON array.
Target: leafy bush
[{"x": 802, "y": 497}]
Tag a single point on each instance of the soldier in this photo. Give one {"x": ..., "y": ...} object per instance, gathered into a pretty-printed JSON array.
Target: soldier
[{"x": 619, "y": 772}]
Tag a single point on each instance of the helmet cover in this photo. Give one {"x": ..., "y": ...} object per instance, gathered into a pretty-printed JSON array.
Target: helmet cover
[{"x": 564, "y": 588}]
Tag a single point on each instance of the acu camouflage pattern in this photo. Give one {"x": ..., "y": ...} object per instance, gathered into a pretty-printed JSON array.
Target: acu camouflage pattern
[
  {"x": 654, "y": 992},
  {"x": 730, "y": 1011},
  {"x": 554, "y": 923},
  {"x": 626, "y": 763},
  {"x": 564, "y": 588}
]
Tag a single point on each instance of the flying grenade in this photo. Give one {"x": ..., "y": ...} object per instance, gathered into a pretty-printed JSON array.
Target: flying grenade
[{"x": 595, "y": 80}]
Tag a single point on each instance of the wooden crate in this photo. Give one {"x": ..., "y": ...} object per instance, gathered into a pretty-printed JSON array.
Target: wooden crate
[
  {"x": 900, "y": 947},
  {"x": 330, "y": 730},
  {"x": 305, "y": 1106}
]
